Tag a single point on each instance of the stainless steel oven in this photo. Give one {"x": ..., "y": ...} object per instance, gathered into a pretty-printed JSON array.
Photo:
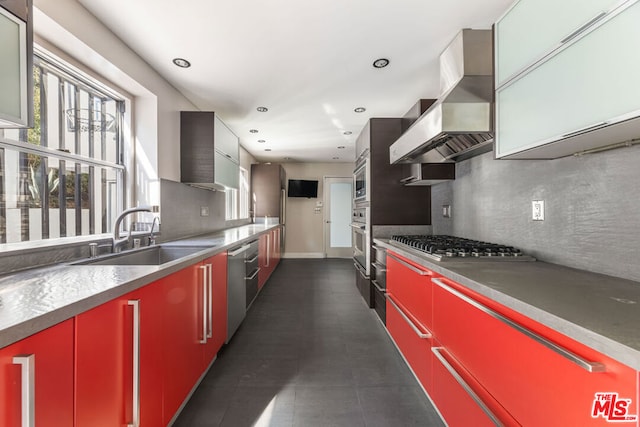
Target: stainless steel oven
[
  {"x": 361, "y": 180},
  {"x": 361, "y": 238}
]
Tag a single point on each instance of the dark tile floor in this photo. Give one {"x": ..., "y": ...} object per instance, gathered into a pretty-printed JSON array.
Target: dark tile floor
[{"x": 309, "y": 353}]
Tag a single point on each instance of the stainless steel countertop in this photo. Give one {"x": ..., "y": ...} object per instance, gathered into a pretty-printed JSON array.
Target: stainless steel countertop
[
  {"x": 36, "y": 299},
  {"x": 600, "y": 311}
]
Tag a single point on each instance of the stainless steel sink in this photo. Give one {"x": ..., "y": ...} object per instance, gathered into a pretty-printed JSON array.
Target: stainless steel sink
[{"x": 154, "y": 255}]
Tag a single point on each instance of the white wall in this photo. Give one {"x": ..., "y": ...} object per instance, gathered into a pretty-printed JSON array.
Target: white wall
[{"x": 304, "y": 235}]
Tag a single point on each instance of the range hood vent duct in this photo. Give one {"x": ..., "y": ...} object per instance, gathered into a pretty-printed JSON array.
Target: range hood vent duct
[{"x": 459, "y": 124}]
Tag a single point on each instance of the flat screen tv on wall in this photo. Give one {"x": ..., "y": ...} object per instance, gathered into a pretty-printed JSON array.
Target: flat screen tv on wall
[{"x": 302, "y": 188}]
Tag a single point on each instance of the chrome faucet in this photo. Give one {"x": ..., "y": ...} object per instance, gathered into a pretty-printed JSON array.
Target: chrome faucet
[
  {"x": 117, "y": 241},
  {"x": 152, "y": 237}
]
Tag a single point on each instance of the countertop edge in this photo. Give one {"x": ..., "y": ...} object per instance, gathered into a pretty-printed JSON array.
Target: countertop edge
[
  {"x": 607, "y": 346},
  {"x": 141, "y": 276}
]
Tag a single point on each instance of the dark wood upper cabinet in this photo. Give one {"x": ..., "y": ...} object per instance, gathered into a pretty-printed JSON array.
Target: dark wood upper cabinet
[
  {"x": 267, "y": 184},
  {"x": 209, "y": 153},
  {"x": 391, "y": 202}
]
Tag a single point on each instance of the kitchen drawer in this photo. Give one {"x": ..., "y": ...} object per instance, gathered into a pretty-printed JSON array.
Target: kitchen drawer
[
  {"x": 251, "y": 283},
  {"x": 364, "y": 286},
  {"x": 410, "y": 284},
  {"x": 381, "y": 255},
  {"x": 380, "y": 274},
  {"x": 523, "y": 364},
  {"x": 380, "y": 303},
  {"x": 461, "y": 400},
  {"x": 412, "y": 338},
  {"x": 251, "y": 263}
]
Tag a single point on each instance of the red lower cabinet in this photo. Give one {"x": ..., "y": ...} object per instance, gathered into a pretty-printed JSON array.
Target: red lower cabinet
[
  {"x": 36, "y": 377},
  {"x": 412, "y": 338},
  {"x": 264, "y": 250},
  {"x": 217, "y": 306},
  {"x": 460, "y": 399},
  {"x": 411, "y": 285},
  {"x": 539, "y": 376},
  {"x": 118, "y": 361},
  {"x": 185, "y": 332}
]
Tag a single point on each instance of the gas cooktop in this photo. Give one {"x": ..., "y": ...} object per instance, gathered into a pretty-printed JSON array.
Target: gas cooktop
[{"x": 451, "y": 248}]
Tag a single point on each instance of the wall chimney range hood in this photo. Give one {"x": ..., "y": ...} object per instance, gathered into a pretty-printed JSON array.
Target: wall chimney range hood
[{"x": 459, "y": 124}]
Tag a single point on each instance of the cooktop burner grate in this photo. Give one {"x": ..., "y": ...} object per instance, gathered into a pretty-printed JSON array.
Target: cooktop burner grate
[{"x": 441, "y": 248}]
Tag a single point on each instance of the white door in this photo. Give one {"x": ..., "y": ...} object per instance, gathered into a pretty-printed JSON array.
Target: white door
[{"x": 338, "y": 195}]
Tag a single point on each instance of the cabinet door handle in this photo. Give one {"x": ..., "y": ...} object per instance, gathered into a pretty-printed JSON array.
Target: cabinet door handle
[
  {"x": 378, "y": 287},
  {"x": 135, "y": 417},
  {"x": 586, "y": 130},
  {"x": 584, "y": 27},
  {"x": 249, "y": 261},
  {"x": 27, "y": 364},
  {"x": 437, "y": 351},
  {"x": 239, "y": 250},
  {"x": 422, "y": 335},
  {"x": 205, "y": 300},
  {"x": 409, "y": 266},
  {"x": 209, "y": 268},
  {"x": 361, "y": 270},
  {"x": 379, "y": 267},
  {"x": 408, "y": 179},
  {"x": 253, "y": 275},
  {"x": 268, "y": 249},
  {"x": 572, "y": 357}
]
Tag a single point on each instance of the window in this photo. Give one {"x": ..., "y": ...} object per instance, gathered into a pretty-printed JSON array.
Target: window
[
  {"x": 63, "y": 177},
  {"x": 237, "y": 201}
]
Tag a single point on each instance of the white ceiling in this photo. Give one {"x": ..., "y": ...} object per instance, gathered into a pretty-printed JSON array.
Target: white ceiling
[{"x": 308, "y": 61}]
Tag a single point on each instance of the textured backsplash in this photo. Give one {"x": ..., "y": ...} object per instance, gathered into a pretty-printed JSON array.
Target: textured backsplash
[
  {"x": 592, "y": 208},
  {"x": 180, "y": 211}
]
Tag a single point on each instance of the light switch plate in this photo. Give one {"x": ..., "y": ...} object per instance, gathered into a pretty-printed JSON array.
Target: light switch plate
[
  {"x": 204, "y": 210},
  {"x": 537, "y": 210},
  {"x": 446, "y": 211}
]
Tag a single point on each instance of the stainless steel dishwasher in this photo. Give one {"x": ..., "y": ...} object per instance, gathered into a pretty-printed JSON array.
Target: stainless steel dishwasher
[{"x": 236, "y": 290}]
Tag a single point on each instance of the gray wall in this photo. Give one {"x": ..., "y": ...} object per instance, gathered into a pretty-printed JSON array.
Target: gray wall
[{"x": 592, "y": 208}]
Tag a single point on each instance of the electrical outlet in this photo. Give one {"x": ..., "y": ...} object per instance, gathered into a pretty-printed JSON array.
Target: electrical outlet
[
  {"x": 204, "y": 210},
  {"x": 537, "y": 210}
]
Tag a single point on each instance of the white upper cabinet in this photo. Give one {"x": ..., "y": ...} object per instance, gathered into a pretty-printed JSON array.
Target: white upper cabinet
[
  {"x": 583, "y": 96},
  {"x": 226, "y": 141},
  {"x": 533, "y": 28},
  {"x": 15, "y": 69}
]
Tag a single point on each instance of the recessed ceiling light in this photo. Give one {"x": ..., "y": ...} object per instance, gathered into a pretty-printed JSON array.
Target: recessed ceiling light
[
  {"x": 262, "y": 109},
  {"x": 182, "y": 63},
  {"x": 253, "y": 130},
  {"x": 340, "y": 147},
  {"x": 267, "y": 149},
  {"x": 360, "y": 110},
  {"x": 347, "y": 132},
  {"x": 380, "y": 63},
  {"x": 261, "y": 141}
]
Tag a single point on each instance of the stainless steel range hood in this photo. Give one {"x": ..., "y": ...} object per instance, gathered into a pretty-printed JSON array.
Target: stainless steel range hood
[{"x": 460, "y": 123}]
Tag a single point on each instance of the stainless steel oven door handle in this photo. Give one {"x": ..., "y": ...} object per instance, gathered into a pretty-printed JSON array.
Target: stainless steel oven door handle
[
  {"x": 359, "y": 226},
  {"x": 584, "y": 364}
]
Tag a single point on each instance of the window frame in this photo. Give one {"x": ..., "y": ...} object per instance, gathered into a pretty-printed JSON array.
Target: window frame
[{"x": 79, "y": 164}]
